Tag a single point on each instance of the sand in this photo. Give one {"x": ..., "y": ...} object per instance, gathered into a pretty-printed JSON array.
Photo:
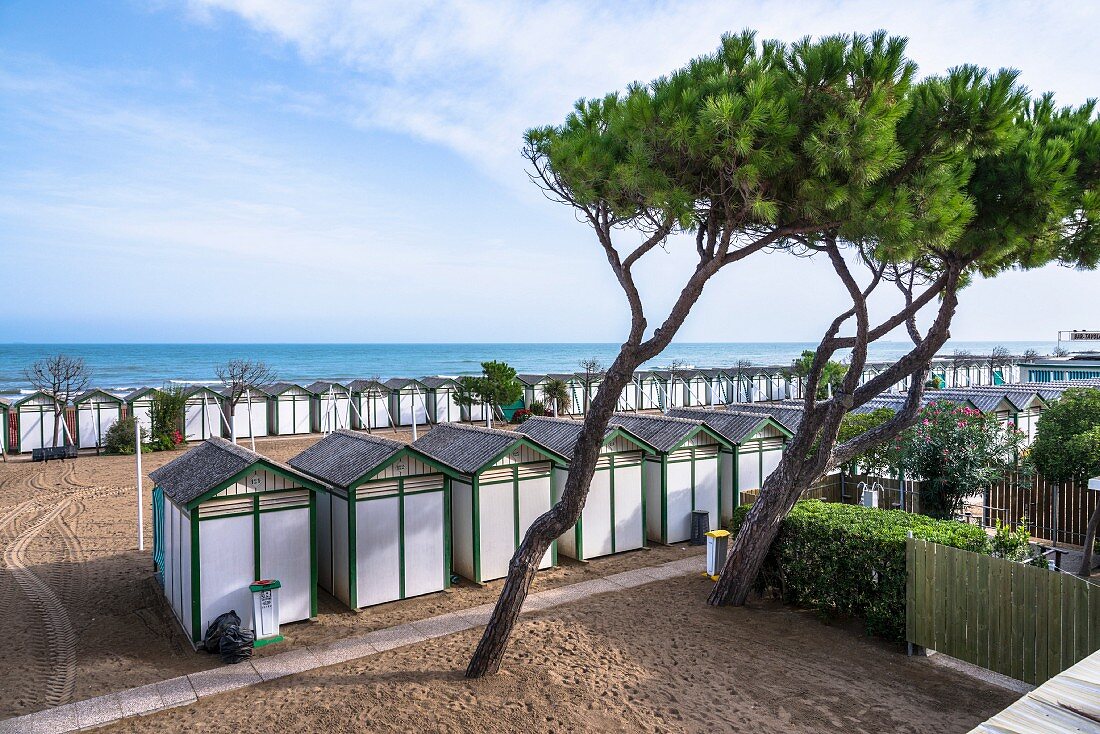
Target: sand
[
  {"x": 84, "y": 617},
  {"x": 652, "y": 659}
]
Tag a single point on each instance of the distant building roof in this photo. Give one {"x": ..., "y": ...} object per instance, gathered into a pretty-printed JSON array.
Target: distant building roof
[{"x": 343, "y": 457}]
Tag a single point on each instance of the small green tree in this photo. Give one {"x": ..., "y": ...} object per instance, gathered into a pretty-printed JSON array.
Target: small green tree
[
  {"x": 832, "y": 374},
  {"x": 166, "y": 417},
  {"x": 1067, "y": 448},
  {"x": 556, "y": 393},
  {"x": 496, "y": 386},
  {"x": 120, "y": 437},
  {"x": 878, "y": 459},
  {"x": 956, "y": 451}
]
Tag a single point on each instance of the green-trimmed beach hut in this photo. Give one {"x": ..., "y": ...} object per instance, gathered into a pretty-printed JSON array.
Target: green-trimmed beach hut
[
  {"x": 289, "y": 409},
  {"x": 36, "y": 419},
  {"x": 502, "y": 483},
  {"x": 383, "y": 519},
  {"x": 371, "y": 400},
  {"x": 96, "y": 411},
  {"x": 613, "y": 518},
  {"x": 408, "y": 401},
  {"x": 756, "y": 442},
  {"x": 443, "y": 407},
  {"x": 202, "y": 413},
  {"x": 224, "y": 517},
  {"x": 249, "y": 417},
  {"x": 683, "y": 476},
  {"x": 331, "y": 406},
  {"x": 139, "y": 404}
]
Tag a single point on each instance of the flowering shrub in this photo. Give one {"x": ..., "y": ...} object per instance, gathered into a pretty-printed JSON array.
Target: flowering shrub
[
  {"x": 956, "y": 451},
  {"x": 521, "y": 415}
]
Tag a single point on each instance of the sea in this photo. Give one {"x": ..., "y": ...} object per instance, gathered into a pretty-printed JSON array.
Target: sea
[{"x": 127, "y": 366}]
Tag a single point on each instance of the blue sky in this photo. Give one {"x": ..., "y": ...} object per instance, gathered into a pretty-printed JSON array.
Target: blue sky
[{"x": 278, "y": 170}]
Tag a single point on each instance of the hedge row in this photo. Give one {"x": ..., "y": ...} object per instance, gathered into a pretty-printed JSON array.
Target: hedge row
[{"x": 850, "y": 560}]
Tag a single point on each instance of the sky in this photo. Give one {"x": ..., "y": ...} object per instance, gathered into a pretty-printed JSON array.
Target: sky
[{"x": 294, "y": 171}]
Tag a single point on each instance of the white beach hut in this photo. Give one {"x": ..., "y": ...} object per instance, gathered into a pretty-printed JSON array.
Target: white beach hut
[
  {"x": 36, "y": 420},
  {"x": 502, "y": 483},
  {"x": 442, "y": 405},
  {"x": 139, "y": 404},
  {"x": 331, "y": 406},
  {"x": 289, "y": 409},
  {"x": 575, "y": 385},
  {"x": 250, "y": 414},
  {"x": 613, "y": 518},
  {"x": 96, "y": 412},
  {"x": 202, "y": 414},
  {"x": 408, "y": 401},
  {"x": 224, "y": 517},
  {"x": 756, "y": 442},
  {"x": 372, "y": 405},
  {"x": 532, "y": 389},
  {"x": 650, "y": 391},
  {"x": 383, "y": 519},
  {"x": 682, "y": 477}
]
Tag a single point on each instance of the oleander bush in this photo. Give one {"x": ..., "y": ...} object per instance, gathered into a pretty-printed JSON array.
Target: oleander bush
[
  {"x": 850, "y": 560},
  {"x": 120, "y": 437}
]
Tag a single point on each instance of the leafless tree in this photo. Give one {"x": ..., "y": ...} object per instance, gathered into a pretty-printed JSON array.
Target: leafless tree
[
  {"x": 592, "y": 368},
  {"x": 240, "y": 377},
  {"x": 62, "y": 378}
]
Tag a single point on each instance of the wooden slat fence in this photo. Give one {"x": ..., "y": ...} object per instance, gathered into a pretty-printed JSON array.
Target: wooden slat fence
[
  {"x": 1024, "y": 622},
  {"x": 1057, "y": 512}
]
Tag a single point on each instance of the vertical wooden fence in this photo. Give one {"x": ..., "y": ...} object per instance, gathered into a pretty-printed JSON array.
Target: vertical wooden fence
[{"x": 1024, "y": 622}]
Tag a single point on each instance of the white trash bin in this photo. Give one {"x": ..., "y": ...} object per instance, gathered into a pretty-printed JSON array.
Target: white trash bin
[
  {"x": 265, "y": 611},
  {"x": 717, "y": 543}
]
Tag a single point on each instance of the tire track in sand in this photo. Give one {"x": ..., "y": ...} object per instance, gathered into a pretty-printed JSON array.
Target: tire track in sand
[{"x": 58, "y": 667}]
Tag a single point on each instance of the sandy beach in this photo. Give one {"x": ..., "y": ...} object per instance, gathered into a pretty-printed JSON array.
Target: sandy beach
[{"x": 85, "y": 617}]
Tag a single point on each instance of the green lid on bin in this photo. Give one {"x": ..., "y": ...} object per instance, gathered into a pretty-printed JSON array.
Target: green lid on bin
[{"x": 264, "y": 585}]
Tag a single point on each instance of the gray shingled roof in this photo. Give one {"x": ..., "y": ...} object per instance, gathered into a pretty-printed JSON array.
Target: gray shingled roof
[
  {"x": 786, "y": 414},
  {"x": 734, "y": 426},
  {"x": 260, "y": 389},
  {"x": 193, "y": 390},
  {"x": 135, "y": 394},
  {"x": 92, "y": 391},
  {"x": 434, "y": 382},
  {"x": 206, "y": 466},
  {"x": 661, "y": 432},
  {"x": 344, "y": 457},
  {"x": 465, "y": 448},
  {"x": 359, "y": 386},
  {"x": 529, "y": 379},
  {"x": 278, "y": 388},
  {"x": 322, "y": 386},
  {"x": 983, "y": 400},
  {"x": 398, "y": 383},
  {"x": 560, "y": 434}
]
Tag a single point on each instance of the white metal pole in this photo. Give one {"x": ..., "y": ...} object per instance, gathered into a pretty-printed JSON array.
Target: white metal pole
[
  {"x": 248, "y": 404},
  {"x": 140, "y": 508}
]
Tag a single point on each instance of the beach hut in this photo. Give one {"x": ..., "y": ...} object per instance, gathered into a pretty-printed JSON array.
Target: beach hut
[
  {"x": 649, "y": 390},
  {"x": 371, "y": 405},
  {"x": 139, "y": 404},
  {"x": 532, "y": 389},
  {"x": 331, "y": 406},
  {"x": 502, "y": 483},
  {"x": 249, "y": 417},
  {"x": 202, "y": 413},
  {"x": 788, "y": 414},
  {"x": 613, "y": 518},
  {"x": 289, "y": 409},
  {"x": 695, "y": 384},
  {"x": 717, "y": 386},
  {"x": 383, "y": 519},
  {"x": 36, "y": 420},
  {"x": 5, "y": 409},
  {"x": 442, "y": 405},
  {"x": 575, "y": 385},
  {"x": 96, "y": 412},
  {"x": 683, "y": 475},
  {"x": 756, "y": 442},
  {"x": 408, "y": 401},
  {"x": 224, "y": 517}
]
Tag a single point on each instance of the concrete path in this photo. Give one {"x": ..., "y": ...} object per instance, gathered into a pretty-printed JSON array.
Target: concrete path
[{"x": 187, "y": 689}]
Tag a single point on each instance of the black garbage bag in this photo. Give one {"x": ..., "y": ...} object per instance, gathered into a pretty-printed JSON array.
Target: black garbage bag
[
  {"x": 236, "y": 644},
  {"x": 212, "y": 641}
]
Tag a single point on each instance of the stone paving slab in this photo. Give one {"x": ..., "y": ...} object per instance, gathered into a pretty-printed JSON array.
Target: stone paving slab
[
  {"x": 187, "y": 689},
  {"x": 285, "y": 663}
]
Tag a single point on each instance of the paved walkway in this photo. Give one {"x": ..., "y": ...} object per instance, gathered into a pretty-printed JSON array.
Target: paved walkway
[{"x": 187, "y": 689}]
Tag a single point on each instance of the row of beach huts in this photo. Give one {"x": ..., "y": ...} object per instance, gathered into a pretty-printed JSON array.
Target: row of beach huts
[
  {"x": 286, "y": 408},
  {"x": 371, "y": 520}
]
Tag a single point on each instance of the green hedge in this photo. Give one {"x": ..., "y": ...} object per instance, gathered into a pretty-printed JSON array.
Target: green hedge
[{"x": 848, "y": 559}]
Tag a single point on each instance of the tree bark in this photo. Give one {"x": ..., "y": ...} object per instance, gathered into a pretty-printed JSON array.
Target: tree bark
[
  {"x": 546, "y": 528},
  {"x": 1090, "y": 539}
]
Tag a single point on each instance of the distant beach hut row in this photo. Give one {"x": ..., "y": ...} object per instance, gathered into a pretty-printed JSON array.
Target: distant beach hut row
[
  {"x": 324, "y": 406},
  {"x": 371, "y": 520}
]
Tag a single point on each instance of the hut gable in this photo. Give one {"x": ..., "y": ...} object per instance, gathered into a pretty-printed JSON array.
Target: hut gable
[
  {"x": 531, "y": 380},
  {"x": 787, "y": 414},
  {"x": 434, "y": 383},
  {"x": 139, "y": 394},
  {"x": 666, "y": 433},
  {"x": 215, "y": 463},
  {"x": 561, "y": 436},
  {"x": 469, "y": 449},
  {"x": 282, "y": 388},
  {"x": 35, "y": 398},
  {"x": 345, "y": 457},
  {"x": 735, "y": 426},
  {"x": 96, "y": 395},
  {"x": 321, "y": 387}
]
